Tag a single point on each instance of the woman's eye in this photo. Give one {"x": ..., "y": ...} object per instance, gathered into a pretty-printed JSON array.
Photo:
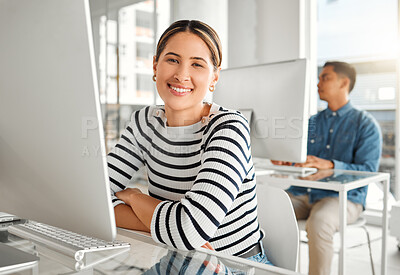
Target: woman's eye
[
  {"x": 197, "y": 65},
  {"x": 172, "y": 60}
]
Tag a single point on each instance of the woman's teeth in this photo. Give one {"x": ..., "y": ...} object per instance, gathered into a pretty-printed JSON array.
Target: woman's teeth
[{"x": 180, "y": 90}]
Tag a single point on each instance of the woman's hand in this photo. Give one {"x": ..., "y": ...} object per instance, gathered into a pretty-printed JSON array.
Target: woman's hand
[
  {"x": 142, "y": 204},
  {"x": 128, "y": 195},
  {"x": 216, "y": 268},
  {"x": 207, "y": 245}
]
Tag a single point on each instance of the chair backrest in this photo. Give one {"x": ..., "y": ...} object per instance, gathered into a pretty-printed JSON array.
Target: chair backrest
[{"x": 277, "y": 218}]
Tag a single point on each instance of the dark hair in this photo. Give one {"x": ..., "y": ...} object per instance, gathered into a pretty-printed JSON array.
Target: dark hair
[
  {"x": 202, "y": 30},
  {"x": 344, "y": 69}
]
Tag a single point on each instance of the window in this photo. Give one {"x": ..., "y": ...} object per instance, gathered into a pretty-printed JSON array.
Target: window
[
  {"x": 364, "y": 33},
  {"x": 125, "y": 43}
]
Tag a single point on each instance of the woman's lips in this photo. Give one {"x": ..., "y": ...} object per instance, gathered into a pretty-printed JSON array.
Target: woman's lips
[{"x": 179, "y": 91}]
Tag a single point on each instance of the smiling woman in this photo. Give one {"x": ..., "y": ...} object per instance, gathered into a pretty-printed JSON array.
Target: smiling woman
[
  {"x": 197, "y": 155},
  {"x": 184, "y": 73}
]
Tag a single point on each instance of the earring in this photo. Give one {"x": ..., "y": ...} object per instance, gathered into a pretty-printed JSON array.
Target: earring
[
  {"x": 154, "y": 78},
  {"x": 211, "y": 88}
]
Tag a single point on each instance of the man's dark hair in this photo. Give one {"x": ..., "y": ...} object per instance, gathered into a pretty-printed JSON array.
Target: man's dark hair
[{"x": 344, "y": 69}]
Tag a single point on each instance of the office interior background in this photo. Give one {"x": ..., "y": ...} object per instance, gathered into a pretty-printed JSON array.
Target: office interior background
[{"x": 361, "y": 32}]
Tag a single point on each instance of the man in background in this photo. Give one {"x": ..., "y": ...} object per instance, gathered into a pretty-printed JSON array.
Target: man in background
[{"x": 340, "y": 137}]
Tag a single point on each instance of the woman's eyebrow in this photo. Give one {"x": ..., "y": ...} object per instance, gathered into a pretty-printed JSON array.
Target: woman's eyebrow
[
  {"x": 199, "y": 58},
  {"x": 172, "y": 53}
]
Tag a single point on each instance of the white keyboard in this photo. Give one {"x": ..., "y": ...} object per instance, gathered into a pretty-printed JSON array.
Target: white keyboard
[
  {"x": 304, "y": 171},
  {"x": 63, "y": 241}
]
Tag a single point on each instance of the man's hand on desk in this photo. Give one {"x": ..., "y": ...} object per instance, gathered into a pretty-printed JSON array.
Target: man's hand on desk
[
  {"x": 279, "y": 162},
  {"x": 313, "y": 161},
  {"x": 321, "y": 174}
]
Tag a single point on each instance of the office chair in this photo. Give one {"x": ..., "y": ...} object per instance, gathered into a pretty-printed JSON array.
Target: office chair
[
  {"x": 359, "y": 223},
  {"x": 278, "y": 221}
]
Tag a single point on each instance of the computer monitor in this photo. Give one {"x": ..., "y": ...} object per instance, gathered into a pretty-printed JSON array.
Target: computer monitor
[
  {"x": 52, "y": 154},
  {"x": 274, "y": 97}
]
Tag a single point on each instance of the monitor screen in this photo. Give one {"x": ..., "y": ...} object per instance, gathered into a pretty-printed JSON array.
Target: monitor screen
[
  {"x": 52, "y": 155},
  {"x": 274, "y": 98}
]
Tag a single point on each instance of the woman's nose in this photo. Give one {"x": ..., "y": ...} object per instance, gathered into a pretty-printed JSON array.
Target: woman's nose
[{"x": 182, "y": 74}]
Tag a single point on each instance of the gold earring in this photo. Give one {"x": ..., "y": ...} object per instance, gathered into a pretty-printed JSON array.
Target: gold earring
[
  {"x": 154, "y": 78},
  {"x": 211, "y": 88}
]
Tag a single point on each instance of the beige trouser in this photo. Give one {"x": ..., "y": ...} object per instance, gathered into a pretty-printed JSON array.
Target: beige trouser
[{"x": 322, "y": 222}]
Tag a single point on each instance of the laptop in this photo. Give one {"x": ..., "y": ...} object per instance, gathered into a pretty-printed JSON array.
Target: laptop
[
  {"x": 15, "y": 259},
  {"x": 5, "y": 217}
]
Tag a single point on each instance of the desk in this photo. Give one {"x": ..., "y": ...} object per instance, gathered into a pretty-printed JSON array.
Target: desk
[
  {"x": 144, "y": 257},
  {"x": 340, "y": 181}
]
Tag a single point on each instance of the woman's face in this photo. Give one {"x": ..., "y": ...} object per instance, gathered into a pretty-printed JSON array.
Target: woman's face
[{"x": 184, "y": 72}]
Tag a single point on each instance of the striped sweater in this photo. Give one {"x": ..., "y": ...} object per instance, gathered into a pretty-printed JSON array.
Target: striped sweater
[
  {"x": 203, "y": 173},
  {"x": 190, "y": 263}
]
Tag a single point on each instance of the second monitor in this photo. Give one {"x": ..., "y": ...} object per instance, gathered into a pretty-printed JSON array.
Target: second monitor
[{"x": 274, "y": 97}]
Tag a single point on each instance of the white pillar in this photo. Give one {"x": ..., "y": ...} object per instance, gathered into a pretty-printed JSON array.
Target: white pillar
[{"x": 397, "y": 120}]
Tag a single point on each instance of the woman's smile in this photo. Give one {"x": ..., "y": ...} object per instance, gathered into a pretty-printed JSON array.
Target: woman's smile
[{"x": 179, "y": 90}]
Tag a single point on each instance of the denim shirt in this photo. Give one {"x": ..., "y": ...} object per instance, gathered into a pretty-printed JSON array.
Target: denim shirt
[{"x": 351, "y": 139}]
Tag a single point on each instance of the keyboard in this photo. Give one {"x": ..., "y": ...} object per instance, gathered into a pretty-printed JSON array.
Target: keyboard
[
  {"x": 64, "y": 241},
  {"x": 304, "y": 171}
]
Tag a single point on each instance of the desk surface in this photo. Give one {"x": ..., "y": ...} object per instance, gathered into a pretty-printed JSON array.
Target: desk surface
[
  {"x": 144, "y": 257},
  {"x": 330, "y": 179}
]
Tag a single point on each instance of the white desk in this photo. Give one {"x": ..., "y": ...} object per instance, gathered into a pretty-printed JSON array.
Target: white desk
[
  {"x": 394, "y": 222},
  {"x": 144, "y": 257},
  {"x": 340, "y": 181}
]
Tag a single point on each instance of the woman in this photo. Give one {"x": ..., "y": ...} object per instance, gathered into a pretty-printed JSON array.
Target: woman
[{"x": 197, "y": 155}]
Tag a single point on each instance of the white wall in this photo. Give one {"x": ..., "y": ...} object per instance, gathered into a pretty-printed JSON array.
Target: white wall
[
  {"x": 264, "y": 31},
  {"x": 211, "y": 12}
]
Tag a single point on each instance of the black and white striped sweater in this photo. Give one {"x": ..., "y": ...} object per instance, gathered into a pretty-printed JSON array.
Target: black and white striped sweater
[{"x": 203, "y": 173}]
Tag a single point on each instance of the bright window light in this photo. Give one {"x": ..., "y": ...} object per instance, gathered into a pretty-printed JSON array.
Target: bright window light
[{"x": 386, "y": 93}]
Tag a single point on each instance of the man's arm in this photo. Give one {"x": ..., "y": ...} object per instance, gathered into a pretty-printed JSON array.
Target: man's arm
[{"x": 367, "y": 152}]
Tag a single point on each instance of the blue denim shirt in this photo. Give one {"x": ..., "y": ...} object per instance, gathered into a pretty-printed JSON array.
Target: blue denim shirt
[{"x": 351, "y": 139}]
